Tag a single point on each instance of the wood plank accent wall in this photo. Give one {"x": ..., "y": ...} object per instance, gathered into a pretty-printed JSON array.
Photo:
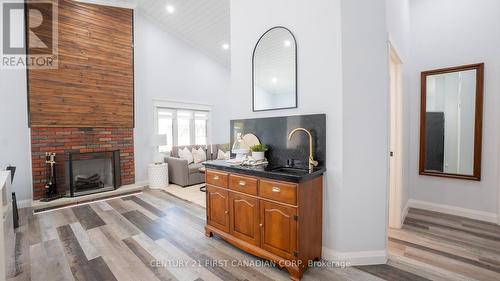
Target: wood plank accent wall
[{"x": 94, "y": 83}]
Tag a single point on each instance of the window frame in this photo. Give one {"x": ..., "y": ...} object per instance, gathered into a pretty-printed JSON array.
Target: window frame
[{"x": 177, "y": 105}]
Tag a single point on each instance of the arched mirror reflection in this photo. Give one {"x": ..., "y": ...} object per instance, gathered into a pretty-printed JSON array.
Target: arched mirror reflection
[{"x": 275, "y": 71}]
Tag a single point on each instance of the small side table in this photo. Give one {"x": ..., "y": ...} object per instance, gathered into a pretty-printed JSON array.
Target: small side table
[{"x": 158, "y": 175}]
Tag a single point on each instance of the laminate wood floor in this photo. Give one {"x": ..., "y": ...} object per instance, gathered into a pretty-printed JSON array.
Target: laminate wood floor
[
  {"x": 437, "y": 246},
  {"x": 156, "y": 236}
]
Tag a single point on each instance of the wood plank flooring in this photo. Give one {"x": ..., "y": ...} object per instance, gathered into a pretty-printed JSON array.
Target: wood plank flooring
[
  {"x": 156, "y": 236},
  {"x": 437, "y": 246}
]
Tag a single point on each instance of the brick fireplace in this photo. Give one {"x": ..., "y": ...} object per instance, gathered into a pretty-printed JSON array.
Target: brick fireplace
[
  {"x": 64, "y": 141},
  {"x": 86, "y": 104}
]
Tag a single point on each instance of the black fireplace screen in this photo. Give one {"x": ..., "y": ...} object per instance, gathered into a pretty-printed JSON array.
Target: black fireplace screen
[{"x": 93, "y": 172}]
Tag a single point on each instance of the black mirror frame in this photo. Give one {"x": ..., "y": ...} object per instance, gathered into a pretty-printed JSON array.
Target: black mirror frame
[{"x": 253, "y": 72}]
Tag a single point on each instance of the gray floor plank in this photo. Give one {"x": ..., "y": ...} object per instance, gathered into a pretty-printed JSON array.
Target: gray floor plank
[
  {"x": 87, "y": 217},
  {"x": 81, "y": 268},
  {"x": 145, "y": 224},
  {"x": 121, "y": 261},
  {"x": 146, "y": 205},
  {"x": 388, "y": 272},
  {"x": 48, "y": 262},
  {"x": 160, "y": 271}
]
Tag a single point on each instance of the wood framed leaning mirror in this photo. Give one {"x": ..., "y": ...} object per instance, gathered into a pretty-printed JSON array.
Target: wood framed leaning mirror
[{"x": 451, "y": 117}]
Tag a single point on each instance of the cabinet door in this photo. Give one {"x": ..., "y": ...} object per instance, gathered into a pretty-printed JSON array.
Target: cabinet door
[
  {"x": 218, "y": 208},
  {"x": 279, "y": 229},
  {"x": 244, "y": 218}
]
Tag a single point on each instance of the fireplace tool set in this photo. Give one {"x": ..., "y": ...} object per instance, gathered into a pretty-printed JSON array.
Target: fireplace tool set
[{"x": 51, "y": 185}]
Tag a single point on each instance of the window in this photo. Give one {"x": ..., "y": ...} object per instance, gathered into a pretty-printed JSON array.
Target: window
[
  {"x": 182, "y": 127},
  {"x": 200, "y": 127},
  {"x": 165, "y": 127}
]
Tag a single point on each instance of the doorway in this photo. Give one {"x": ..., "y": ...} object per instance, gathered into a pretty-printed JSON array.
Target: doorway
[{"x": 395, "y": 139}]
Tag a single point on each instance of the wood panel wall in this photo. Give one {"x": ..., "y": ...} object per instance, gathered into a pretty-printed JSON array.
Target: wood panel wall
[{"x": 93, "y": 85}]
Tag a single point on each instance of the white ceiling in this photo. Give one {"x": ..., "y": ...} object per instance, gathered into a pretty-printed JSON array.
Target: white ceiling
[{"x": 204, "y": 24}]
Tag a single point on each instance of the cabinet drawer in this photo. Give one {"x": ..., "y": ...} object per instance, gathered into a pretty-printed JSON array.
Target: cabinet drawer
[
  {"x": 243, "y": 184},
  {"x": 217, "y": 178},
  {"x": 278, "y": 191}
]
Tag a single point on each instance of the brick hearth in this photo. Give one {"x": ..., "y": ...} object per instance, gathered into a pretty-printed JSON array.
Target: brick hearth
[{"x": 65, "y": 140}]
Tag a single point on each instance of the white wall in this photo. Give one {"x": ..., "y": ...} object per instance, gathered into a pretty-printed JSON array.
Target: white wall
[
  {"x": 398, "y": 27},
  {"x": 15, "y": 145},
  {"x": 451, "y": 33},
  {"x": 354, "y": 215},
  {"x": 167, "y": 68},
  {"x": 363, "y": 218}
]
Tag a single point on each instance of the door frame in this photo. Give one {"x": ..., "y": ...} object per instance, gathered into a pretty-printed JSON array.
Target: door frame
[{"x": 395, "y": 140}]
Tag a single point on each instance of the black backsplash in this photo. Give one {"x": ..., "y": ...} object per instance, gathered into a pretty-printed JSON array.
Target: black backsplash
[{"x": 273, "y": 131}]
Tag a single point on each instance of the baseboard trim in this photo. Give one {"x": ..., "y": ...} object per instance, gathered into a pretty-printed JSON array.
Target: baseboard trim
[
  {"x": 453, "y": 210},
  {"x": 355, "y": 258}
]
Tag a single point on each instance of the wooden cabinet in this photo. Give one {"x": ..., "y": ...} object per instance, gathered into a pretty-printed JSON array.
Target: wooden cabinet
[
  {"x": 244, "y": 218},
  {"x": 218, "y": 208},
  {"x": 279, "y": 229},
  {"x": 276, "y": 220}
]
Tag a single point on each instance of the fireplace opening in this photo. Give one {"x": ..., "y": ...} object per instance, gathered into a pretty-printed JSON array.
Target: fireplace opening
[{"x": 93, "y": 172}]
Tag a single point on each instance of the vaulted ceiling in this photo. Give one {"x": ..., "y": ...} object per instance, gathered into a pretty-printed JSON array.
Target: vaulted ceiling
[{"x": 204, "y": 24}]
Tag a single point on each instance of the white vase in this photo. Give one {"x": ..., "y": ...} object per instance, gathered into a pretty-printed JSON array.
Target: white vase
[{"x": 258, "y": 155}]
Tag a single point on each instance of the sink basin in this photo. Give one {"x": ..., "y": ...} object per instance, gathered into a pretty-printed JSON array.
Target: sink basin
[{"x": 290, "y": 170}]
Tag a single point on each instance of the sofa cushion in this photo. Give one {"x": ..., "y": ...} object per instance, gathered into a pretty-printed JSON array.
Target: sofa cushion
[
  {"x": 221, "y": 155},
  {"x": 186, "y": 155},
  {"x": 194, "y": 167},
  {"x": 175, "y": 149},
  {"x": 215, "y": 150},
  {"x": 199, "y": 155}
]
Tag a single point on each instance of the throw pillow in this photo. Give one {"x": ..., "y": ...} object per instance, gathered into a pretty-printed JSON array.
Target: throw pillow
[
  {"x": 199, "y": 155},
  {"x": 221, "y": 155},
  {"x": 186, "y": 155}
]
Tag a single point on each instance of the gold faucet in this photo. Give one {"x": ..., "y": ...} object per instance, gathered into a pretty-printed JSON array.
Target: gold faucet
[{"x": 312, "y": 163}]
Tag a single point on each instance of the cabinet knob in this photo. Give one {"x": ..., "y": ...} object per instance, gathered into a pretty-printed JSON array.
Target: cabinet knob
[
  {"x": 226, "y": 212},
  {"x": 276, "y": 189},
  {"x": 261, "y": 225},
  {"x": 242, "y": 183}
]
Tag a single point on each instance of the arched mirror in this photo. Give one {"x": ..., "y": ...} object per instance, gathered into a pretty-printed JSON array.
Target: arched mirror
[{"x": 275, "y": 70}]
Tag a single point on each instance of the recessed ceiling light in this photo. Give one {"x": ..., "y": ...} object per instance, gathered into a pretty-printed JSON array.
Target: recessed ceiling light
[
  {"x": 225, "y": 46},
  {"x": 275, "y": 80},
  {"x": 287, "y": 43},
  {"x": 170, "y": 9}
]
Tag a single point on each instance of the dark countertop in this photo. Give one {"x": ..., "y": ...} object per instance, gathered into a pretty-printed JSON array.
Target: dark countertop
[{"x": 264, "y": 171}]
